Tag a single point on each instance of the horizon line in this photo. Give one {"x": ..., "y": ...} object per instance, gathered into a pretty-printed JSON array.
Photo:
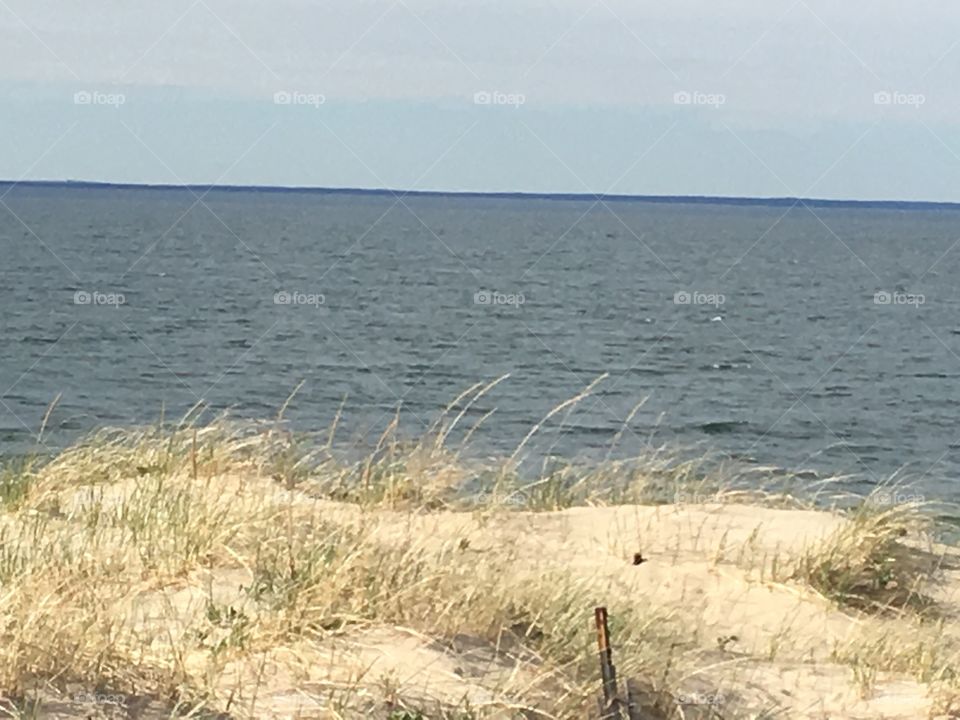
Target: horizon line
[{"x": 771, "y": 201}]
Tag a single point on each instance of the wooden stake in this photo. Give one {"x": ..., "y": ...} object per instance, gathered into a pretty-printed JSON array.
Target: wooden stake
[{"x": 610, "y": 709}]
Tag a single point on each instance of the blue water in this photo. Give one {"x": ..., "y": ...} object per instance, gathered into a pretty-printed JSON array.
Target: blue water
[{"x": 799, "y": 366}]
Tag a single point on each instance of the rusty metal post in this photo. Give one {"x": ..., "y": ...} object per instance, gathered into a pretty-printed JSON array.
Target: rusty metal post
[{"x": 611, "y": 702}]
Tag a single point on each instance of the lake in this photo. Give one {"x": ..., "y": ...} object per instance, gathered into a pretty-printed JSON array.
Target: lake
[{"x": 813, "y": 337}]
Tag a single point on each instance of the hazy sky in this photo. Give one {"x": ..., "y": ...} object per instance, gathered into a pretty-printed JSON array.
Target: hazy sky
[{"x": 849, "y": 99}]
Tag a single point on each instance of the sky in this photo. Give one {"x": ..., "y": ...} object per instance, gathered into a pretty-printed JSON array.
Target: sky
[{"x": 809, "y": 98}]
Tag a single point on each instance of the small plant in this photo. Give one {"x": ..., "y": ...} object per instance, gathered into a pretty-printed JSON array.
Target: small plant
[
  {"x": 405, "y": 715},
  {"x": 225, "y": 618}
]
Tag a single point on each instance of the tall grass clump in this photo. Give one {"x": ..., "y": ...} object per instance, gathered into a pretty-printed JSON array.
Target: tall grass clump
[
  {"x": 866, "y": 564},
  {"x": 17, "y": 474}
]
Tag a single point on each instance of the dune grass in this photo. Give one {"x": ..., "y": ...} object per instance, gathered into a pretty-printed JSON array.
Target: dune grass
[
  {"x": 88, "y": 535},
  {"x": 866, "y": 564}
]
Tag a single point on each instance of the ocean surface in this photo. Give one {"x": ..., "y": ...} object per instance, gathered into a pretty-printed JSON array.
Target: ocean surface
[{"x": 809, "y": 337}]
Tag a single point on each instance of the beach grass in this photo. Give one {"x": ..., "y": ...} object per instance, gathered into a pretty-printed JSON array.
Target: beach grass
[{"x": 208, "y": 568}]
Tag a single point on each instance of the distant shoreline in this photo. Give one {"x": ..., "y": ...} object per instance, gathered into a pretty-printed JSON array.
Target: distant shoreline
[{"x": 775, "y": 202}]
